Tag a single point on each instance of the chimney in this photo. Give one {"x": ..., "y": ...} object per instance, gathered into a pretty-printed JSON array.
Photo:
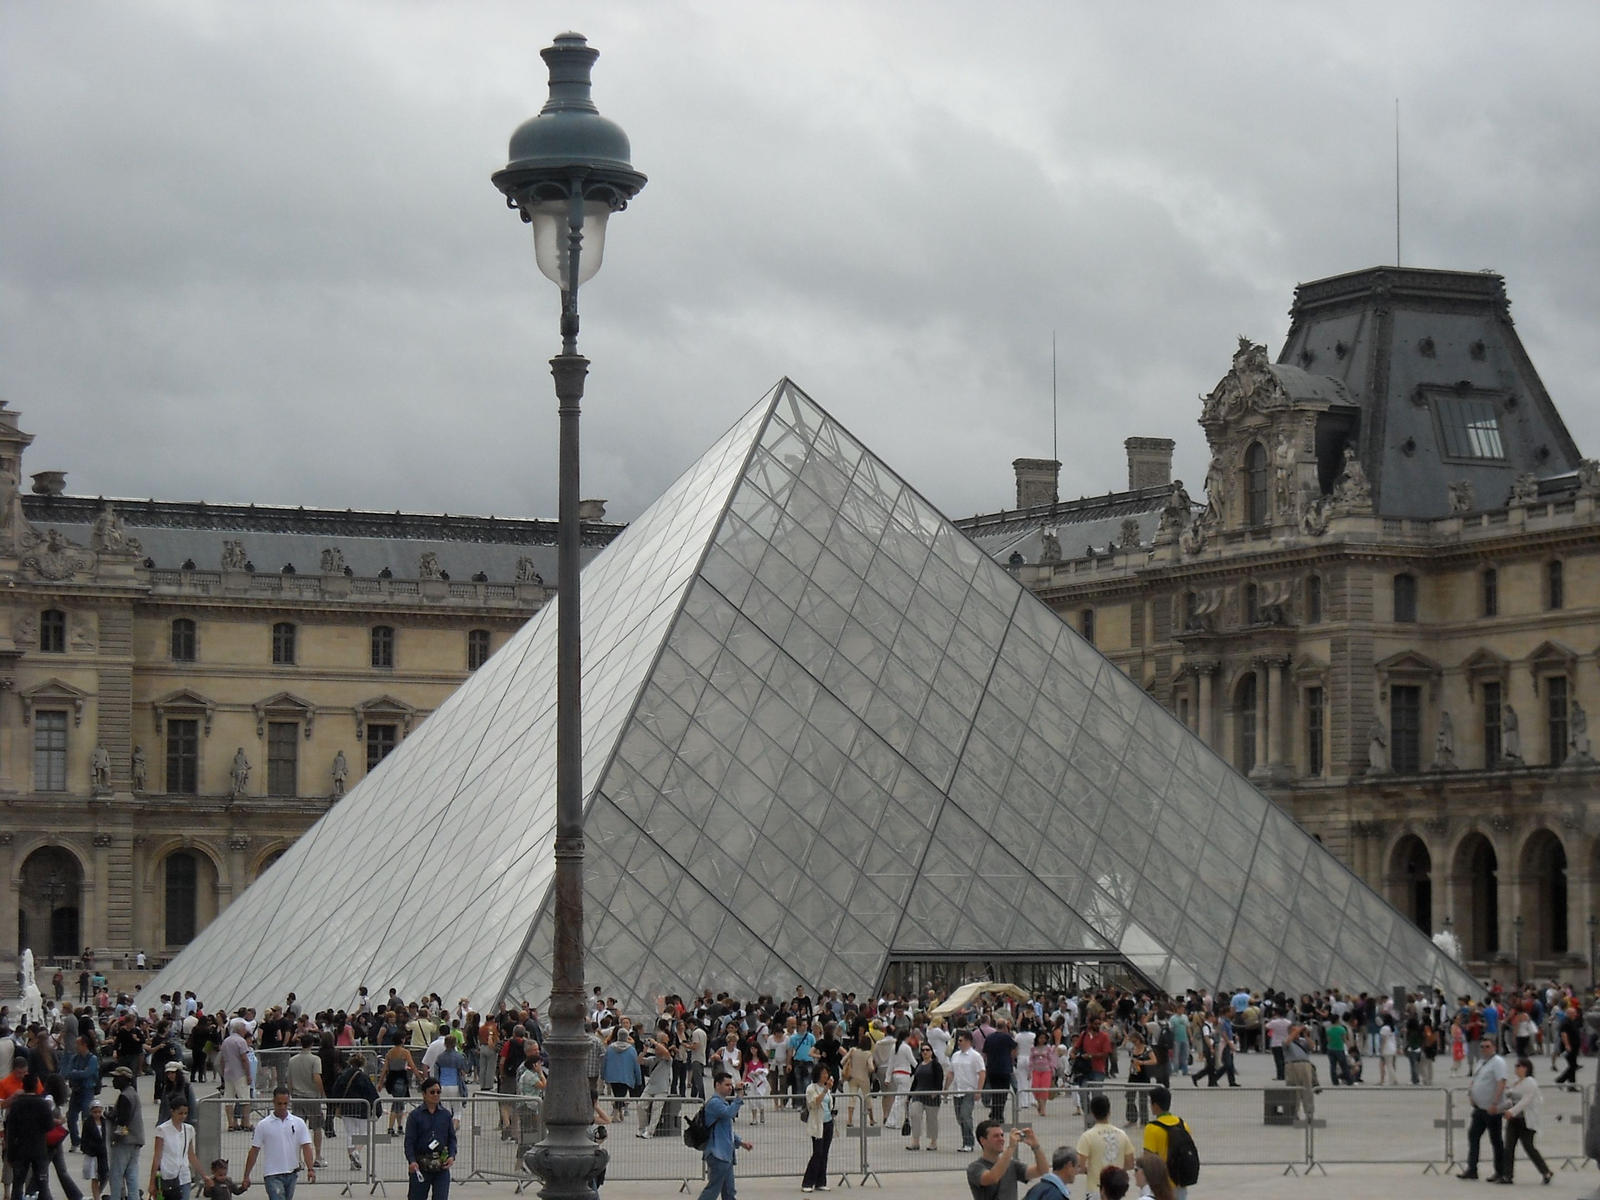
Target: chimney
[
  {"x": 591, "y": 510},
  {"x": 1037, "y": 481},
  {"x": 1149, "y": 462}
]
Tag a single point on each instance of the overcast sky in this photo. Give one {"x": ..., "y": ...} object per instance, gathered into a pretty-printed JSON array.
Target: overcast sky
[{"x": 251, "y": 251}]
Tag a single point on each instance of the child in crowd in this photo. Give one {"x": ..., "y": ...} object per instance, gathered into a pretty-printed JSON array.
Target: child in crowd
[
  {"x": 217, "y": 1186},
  {"x": 757, "y": 1084}
]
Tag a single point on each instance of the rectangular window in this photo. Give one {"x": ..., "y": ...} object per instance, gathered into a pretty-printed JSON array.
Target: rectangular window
[
  {"x": 1491, "y": 593},
  {"x": 52, "y": 631},
  {"x": 283, "y": 758},
  {"x": 381, "y": 740},
  {"x": 1555, "y": 585},
  {"x": 382, "y": 646},
  {"x": 1555, "y": 691},
  {"x": 1314, "y": 719},
  {"x": 1491, "y": 725},
  {"x": 1405, "y": 729},
  {"x": 50, "y": 751},
  {"x": 183, "y": 757},
  {"x": 477, "y": 648},
  {"x": 1086, "y": 625},
  {"x": 1314, "y": 600},
  {"x": 1469, "y": 426},
  {"x": 1405, "y": 598},
  {"x": 183, "y": 640}
]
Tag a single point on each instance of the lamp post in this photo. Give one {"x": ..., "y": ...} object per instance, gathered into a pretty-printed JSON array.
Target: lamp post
[
  {"x": 1516, "y": 933},
  {"x": 568, "y": 171}
]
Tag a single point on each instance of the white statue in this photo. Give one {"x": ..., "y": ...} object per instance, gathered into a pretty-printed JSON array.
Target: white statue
[
  {"x": 32, "y": 1002},
  {"x": 1510, "y": 735},
  {"x": 1377, "y": 749}
]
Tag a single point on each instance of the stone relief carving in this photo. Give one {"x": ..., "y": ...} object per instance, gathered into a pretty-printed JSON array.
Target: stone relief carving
[
  {"x": 53, "y": 556},
  {"x": 81, "y": 636},
  {"x": 1524, "y": 489},
  {"x": 1274, "y": 599},
  {"x": 428, "y": 566},
  {"x": 1461, "y": 497},
  {"x": 108, "y": 536},
  {"x": 1129, "y": 537},
  {"x": 102, "y": 840},
  {"x": 1250, "y": 384},
  {"x": 333, "y": 561},
  {"x": 526, "y": 573},
  {"x": 239, "y": 841},
  {"x": 1589, "y": 477},
  {"x": 233, "y": 556},
  {"x": 1049, "y": 547},
  {"x": 25, "y": 632}
]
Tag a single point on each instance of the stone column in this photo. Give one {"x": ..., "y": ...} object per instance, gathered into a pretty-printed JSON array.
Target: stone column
[
  {"x": 1266, "y": 727},
  {"x": 1205, "y": 717},
  {"x": 1282, "y": 757}
]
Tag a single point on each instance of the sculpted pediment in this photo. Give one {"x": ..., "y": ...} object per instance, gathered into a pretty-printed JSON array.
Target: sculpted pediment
[
  {"x": 184, "y": 703},
  {"x": 385, "y": 709},
  {"x": 284, "y": 706},
  {"x": 53, "y": 693},
  {"x": 1248, "y": 386}
]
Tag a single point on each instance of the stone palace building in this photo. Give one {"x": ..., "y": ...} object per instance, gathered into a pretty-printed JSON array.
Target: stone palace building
[
  {"x": 186, "y": 687},
  {"x": 1386, "y": 610}
]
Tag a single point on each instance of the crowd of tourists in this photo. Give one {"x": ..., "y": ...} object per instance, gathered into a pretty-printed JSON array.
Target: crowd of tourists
[{"x": 895, "y": 1061}]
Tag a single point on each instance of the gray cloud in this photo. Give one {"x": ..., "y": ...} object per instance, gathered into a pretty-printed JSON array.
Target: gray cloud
[{"x": 253, "y": 253}]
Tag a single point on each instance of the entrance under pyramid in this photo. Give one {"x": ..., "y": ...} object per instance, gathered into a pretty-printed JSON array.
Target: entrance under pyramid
[{"x": 828, "y": 742}]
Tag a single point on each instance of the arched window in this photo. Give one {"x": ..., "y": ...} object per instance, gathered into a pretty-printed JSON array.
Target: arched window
[
  {"x": 183, "y": 640},
  {"x": 1544, "y": 896},
  {"x": 283, "y": 643},
  {"x": 1411, "y": 877},
  {"x": 383, "y": 645},
  {"x": 1256, "y": 484},
  {"x": 1477, "y": 863},
  {"x": 1244, "y": 709},
  {"x": 182, "y": 889}
]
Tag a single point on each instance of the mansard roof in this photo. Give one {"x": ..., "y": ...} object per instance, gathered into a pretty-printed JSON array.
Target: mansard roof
[
  {"x": 1415, "y": 349},
  {"x": 172, "y": 533}
]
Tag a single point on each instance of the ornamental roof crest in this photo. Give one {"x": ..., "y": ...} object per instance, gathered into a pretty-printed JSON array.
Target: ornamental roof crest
[{"x": 1250, "y": 384}]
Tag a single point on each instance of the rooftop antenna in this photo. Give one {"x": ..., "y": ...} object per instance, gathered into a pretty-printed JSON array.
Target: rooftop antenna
[
  {"x": 1397, "y": 181},
  {"x": 1054, "y": 418}
]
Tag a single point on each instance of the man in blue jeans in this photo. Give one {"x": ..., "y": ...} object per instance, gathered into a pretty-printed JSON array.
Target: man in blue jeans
[
  {"x": 802, "y": 1045},
  {"x": 281, "y": 1140},
  {"x": 721, "y": 1109}
]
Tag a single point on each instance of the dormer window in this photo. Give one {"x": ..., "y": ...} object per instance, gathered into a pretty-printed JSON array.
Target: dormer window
[
  {"x": 1469, "y": 426},
  {"x": 1256, "y": 484}
]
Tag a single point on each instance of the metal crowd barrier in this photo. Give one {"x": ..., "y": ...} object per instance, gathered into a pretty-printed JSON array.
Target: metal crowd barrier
[{"x": 224, "y": 1127}]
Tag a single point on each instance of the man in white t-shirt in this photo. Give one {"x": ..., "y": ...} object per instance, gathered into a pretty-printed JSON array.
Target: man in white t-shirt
[
  {"x": 966, "y": 1081},
  {"x": 283, "y": 1142},
  {"x": 1277, "y": 1035}
]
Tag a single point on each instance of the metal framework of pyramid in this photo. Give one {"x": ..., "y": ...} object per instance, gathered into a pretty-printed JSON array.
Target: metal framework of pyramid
[{"x": 822, "y": 731}]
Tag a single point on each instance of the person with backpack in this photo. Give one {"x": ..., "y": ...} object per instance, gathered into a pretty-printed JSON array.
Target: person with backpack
[
  {"x": 720, "y": 1147},
  {"x": 1170, "y": 1140}
]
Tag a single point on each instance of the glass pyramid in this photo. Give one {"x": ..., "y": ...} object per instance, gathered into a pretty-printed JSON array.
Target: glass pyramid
[{"x": 822, "y": 731}]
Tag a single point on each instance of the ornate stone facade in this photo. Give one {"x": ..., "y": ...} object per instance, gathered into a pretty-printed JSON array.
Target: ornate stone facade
[
  {"x": 142, "y": 651},
  {"x": 1388, "y": 610}
]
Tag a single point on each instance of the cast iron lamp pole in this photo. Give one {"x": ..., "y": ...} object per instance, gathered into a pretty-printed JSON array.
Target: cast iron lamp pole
[
  {"x": 568, "y": 171},
  {"x": 1592, "y": 923}
]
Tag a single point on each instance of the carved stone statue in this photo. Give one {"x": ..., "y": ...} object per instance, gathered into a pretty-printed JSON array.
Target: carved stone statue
[
  {"x": 1510, "y": 736},
  {"x": 1285, "y": 460},
  {"x": 1524, "y": 489},
  {"x": 1129, "y": 537},
  {"x": 1589, "y": 477},
  {"x": 1444, "y": 744},
  {"x": 526, "y": 573},
  {"x": 1352, "y": 489},
  {"x": 341, "y": 773},
  {"x": 333, "y": 561},
  {"x": 99, "y": 769},
  {"x": 428, "y": 565},
  {"x": 239, "y": 773},
  {"x": 1578, "y": 749},
  {"x": 1049, "y": 547},
  {"x": 1193, "y": 539},
  {"x": 1378, "y": 749},
  {"x": 1178, "y": 497},
  {"x": 1216, "y": 485},
  {"x": 108, "y": 536},
  {"x": 1461, "y": 497},
  {"x": 140, "y": 769},
  {"x": 233, "y": 556},
  {"x": 1250, "y": 384},
  {"x": 32, "y": 1002},
  {"x": 1315, "y": 512}
]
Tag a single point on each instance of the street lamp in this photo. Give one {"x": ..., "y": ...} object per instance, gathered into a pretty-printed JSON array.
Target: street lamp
[
  {"x": 568, "y": 172},
  {"x": 1516, "y": 931}
]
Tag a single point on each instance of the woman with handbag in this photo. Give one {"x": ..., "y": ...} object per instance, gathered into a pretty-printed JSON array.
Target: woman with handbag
[
  {"x": 819, "y": 1124},
  {"x": 56, "y": 1137},
  {"x": 29, "y": 1119},
  {"x": 927, "y": 1084},
  {"x": 174, "y": 1163},
  {"x": 95, "y": 1142},
  {"x": 1523, "y": 1117}
]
